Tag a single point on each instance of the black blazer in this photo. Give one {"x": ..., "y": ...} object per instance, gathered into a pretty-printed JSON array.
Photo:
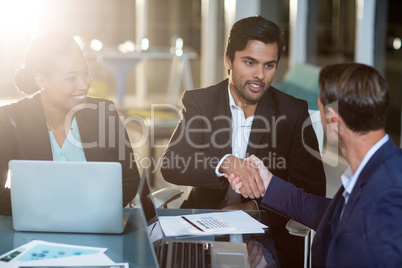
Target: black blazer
[
  {"x": 24, "y": 135},
  {"x": 191, "y": 156}
]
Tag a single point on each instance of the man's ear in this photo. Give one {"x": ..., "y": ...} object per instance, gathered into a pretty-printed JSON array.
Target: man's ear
[
  {"x": 332, "y": 116},
  {"x": 228, "y": 62}
]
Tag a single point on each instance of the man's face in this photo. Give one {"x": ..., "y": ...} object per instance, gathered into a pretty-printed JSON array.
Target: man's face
[{"x": 252, "y": 71}]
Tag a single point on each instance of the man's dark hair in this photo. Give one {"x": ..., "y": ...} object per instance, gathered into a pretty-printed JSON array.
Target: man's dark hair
[
  {"x": 253, "y": 28},
  {"x": 358, "y": 93}
]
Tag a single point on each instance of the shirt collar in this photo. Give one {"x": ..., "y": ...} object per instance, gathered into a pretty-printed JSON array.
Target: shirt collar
[
  {"x": 74, "y": 125},
  {"x": 349, "y": 179},
  {"x": 232, "y": 103}
]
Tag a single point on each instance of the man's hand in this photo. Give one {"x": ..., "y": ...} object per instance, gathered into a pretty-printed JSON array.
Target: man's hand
[
  {"x": 236, "y": 182},
  {"x": 247, "y": 172},
  {"x": 265, "y": 175}
]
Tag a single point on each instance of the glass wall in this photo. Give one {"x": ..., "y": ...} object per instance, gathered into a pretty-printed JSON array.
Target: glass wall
[
  {"x": 331, "y": 37},
  {"x": 393, "y": 66},
  {"x": 331, "y": 31},
  {"x": 112, "y": 22}
]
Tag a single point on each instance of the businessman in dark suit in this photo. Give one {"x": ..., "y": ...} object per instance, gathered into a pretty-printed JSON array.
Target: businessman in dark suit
[
  {"x": 240, "y": 116},
  {"x": 361, "y": 226}
]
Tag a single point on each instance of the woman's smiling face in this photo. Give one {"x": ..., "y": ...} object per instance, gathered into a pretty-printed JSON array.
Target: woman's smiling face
[{"x": 67, "y": 83}]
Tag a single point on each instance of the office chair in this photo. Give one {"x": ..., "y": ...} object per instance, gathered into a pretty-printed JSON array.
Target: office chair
[
  {"x": 159, "y": 124},
  {"x": 160, "y": 197},
  {"x": 294, "y": 227},
  {"x": 166, "y": 195},
  {"x": 301, "y": 81}
]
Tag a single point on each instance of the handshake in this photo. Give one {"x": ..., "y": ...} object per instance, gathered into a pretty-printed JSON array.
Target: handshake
[{"x": 248, "y": 177}]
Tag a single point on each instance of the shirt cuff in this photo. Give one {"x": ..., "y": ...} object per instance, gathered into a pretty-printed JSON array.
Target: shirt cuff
[{"x": 219, "y": 165}]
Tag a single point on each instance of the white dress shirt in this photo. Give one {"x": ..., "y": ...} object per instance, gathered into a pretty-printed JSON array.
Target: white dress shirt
[
  {"x": 241, "y": 128},
  {"x": 71, "y": 149}
]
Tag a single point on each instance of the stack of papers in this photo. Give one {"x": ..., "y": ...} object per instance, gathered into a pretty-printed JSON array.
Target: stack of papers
[
  {"x": 216, "y": 223},
  {"x": 43, "y": 254}
]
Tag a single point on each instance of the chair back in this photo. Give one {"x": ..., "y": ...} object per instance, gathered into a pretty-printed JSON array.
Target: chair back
[{"x": 317, "y": 126}]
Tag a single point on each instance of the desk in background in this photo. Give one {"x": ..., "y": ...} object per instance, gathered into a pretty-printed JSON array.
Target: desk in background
[{"x": 130, "y": 246}]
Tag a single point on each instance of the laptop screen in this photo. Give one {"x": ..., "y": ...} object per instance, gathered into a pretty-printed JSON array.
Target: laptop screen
[{"x": 57, "y": 196}]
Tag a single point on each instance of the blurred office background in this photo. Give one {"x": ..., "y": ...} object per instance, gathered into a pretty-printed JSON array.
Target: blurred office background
[{"x": 144, "y": 52}]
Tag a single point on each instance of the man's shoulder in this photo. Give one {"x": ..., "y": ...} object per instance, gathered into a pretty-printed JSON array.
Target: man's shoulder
[
  {"x": 285, "y": 98},
  {"x": 384, "y": 169},
  {"x": 207, "y": 92},
  {"x": 393, "y": 166},
  {"x": 284, "y": 104}
]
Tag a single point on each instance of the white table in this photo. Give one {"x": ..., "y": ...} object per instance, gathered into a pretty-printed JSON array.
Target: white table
[{"x": 121, "y": 63}]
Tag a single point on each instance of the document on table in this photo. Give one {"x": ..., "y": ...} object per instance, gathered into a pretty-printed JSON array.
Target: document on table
[
  {"x": 232, "y": 222},
  {"x": 43, "y": 254}
]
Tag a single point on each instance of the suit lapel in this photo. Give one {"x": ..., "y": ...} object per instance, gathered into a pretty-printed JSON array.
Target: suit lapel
[
  {"x": 88, "y": 125},
  {"x": 223, "y": 119},
  {"x": 38, "y": 132},
  {"x": 331, "y": 218},
  {"x": 383, "y": 152},
  {"x": 349, "y": 207},
  {"x": 326, "y": 229},
  {"x": 263, "y": 114}
]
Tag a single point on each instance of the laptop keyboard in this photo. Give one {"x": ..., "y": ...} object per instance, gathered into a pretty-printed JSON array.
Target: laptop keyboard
[
  {"x": 191, "y": 255},
  {"x": 161, "y": 254}
]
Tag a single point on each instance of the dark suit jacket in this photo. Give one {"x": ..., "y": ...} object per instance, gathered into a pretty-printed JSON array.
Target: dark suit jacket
[
  {"x": 24, "y": 135},
  {"x": 203, "y": 137},
  {"x": 369, "y": 233}
]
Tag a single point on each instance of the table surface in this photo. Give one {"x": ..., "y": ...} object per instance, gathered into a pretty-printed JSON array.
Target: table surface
[{"x": 130, "y": 246}]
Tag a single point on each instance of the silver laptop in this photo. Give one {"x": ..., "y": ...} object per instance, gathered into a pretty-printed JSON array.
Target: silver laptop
[
  {"x": 183, "y": 253},
  {"x": 77, "y": 197}
]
